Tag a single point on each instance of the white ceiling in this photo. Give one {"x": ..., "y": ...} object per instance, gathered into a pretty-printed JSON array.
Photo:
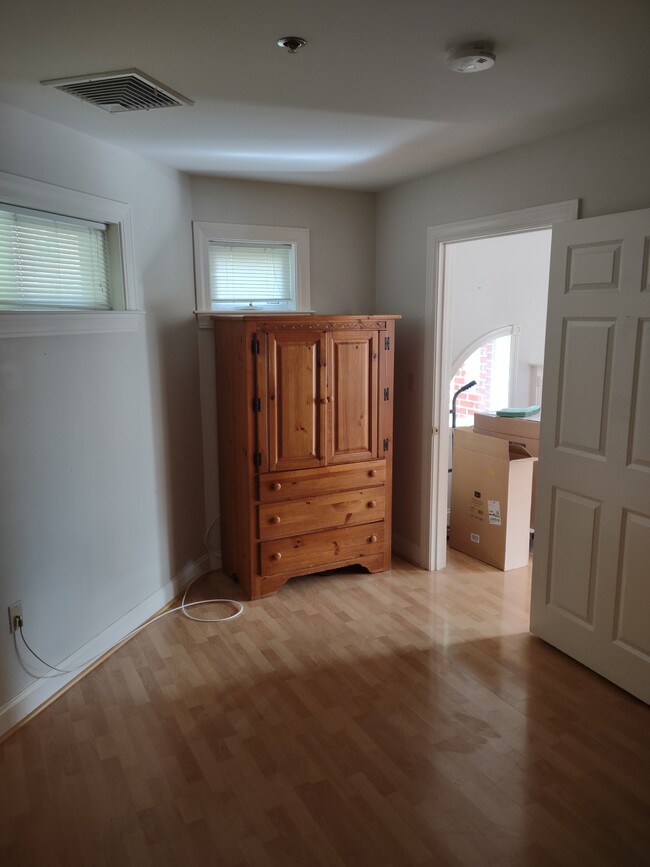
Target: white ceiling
[{"x": 367, "y": 103}]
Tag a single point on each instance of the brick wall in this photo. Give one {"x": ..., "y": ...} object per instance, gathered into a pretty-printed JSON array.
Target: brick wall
[{"x": 476, "y": 399}]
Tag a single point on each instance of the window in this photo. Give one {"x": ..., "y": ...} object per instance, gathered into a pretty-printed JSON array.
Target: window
[
  {"x": 491, "y": 367},
  {"x": 52, "y": 262},
  {"x": 247, "y": 275},
  {"x": 66, "y": 261},
  {"x": 254, "y": 268}
]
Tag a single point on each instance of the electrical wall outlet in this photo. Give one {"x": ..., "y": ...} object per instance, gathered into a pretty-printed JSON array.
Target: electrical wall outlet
[{"x": 15, "y": 610}]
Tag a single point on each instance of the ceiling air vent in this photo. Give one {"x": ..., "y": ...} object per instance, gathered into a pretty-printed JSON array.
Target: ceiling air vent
[{"x": 124, "y": 90}]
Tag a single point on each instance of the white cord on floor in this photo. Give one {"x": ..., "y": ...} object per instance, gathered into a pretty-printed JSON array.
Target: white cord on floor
[{"x": 239, "y": 610}]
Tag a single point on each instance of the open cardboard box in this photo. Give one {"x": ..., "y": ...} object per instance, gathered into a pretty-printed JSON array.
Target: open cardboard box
[
  {"x": 491, "y": 488},
  {"x": 524, "y": 431}
]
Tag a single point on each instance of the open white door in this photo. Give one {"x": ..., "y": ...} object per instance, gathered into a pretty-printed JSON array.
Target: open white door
[{"x": 591, "y": 573}]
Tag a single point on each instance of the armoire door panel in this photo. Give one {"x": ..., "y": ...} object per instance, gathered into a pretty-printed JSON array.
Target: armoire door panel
[
  {"x": 259, "y": 405},
  {"x": 296, "y": 400},
  {"x": 353, "y": 387}
]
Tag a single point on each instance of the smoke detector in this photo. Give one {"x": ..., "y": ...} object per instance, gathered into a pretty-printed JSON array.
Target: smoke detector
[
  {"x": 124, "y": 90},
  {"x": 470, "y": 58}
]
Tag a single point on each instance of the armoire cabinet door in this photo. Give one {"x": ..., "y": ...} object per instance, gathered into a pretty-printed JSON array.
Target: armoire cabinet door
[
  {"x": 353, "y": 396},
  {"x": 296, "y": 400}
]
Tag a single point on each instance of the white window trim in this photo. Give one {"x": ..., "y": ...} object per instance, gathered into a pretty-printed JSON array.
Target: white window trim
[
  {"x": 29, "y": 193},
  {"x": 206, "y": 232}
]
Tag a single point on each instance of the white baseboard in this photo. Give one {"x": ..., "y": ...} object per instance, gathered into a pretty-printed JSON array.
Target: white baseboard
[
  {"x": 407, "y": 549},
  {"x": 39, "y": 692}
]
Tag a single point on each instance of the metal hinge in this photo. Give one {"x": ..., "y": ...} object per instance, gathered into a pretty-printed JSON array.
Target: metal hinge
[
  {"x": 386, "y": 444},
  {"x": 255, "y": 346},
  {"x": 386, "y": 342},
  {"x": 387, "y": 394},
  {"x": 257, "y": 459},
  {"x": 257, "y": 404}
]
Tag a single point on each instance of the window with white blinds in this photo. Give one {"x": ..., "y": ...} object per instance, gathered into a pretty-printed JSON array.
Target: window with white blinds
[
  {"x": 51, "y": 262},
  {"x": 241, "y": 268},
  {"x": 251, "y": 275}
]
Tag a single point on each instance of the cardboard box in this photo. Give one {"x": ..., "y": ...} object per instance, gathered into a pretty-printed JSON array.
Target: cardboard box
[
  {"x": 525, "y": 431},
  {"x": 491, "y": 486}
]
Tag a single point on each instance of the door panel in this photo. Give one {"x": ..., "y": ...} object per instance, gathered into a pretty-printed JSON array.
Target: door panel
[
  {"x": 585, "y": 374},
  {"x": 591, "y": 594},
  {"x": 572, "y": 583},
  {"x": 639, "y": 456},
  {"x": 353, "y": 387},
  {"x": 296, "y": 400},
  {"x": 632, "y": 629}
]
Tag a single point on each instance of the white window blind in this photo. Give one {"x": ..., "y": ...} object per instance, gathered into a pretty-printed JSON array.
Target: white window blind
[
  {"x": 50, "y": 262},
  {"x": 250, "y": 274}
]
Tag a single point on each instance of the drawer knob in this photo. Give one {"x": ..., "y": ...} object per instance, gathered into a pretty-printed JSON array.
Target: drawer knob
[
  {"x": 276, "y": 486},
  {"x": 275, "y": 519},
  {"x": 372, "y": 538},
  {"x": 372, "y": 473},
  {"x": 372, "y": 504},
  {"x": 276, "y": 556}
]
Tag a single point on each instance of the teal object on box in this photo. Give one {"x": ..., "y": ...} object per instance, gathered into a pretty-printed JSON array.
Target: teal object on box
[{"x": 518, "y": 412}]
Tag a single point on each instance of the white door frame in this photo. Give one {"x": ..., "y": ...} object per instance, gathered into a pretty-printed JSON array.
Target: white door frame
[{"x": 437, "y": 358}]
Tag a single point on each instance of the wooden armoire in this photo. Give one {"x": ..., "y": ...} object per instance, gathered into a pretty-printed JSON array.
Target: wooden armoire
[{"x": 304, "y": 416}]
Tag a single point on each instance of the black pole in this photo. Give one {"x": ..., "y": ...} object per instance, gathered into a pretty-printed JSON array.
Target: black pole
[{"x": 454, "y": 398}]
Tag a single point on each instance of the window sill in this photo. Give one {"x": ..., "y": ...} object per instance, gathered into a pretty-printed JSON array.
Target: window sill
[{"x": 49, "y": 322}]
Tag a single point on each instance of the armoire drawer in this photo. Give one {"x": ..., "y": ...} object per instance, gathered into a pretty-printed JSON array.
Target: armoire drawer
[
  {"x": 274, "y": 487},
  {"x": 341, "y": 509},
  {"x": 324, "y": 548}
]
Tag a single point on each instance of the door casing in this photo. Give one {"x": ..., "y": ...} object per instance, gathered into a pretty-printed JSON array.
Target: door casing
[{"x": 437, "y": 359}]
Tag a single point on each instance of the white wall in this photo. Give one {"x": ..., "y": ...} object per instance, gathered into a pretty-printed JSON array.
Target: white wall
[
  {"x": 497, "y": 282},
  {"x": 101, "y": 475},
  {"x": 342, "y": 229},
  {"x": 605, "y": 165}
]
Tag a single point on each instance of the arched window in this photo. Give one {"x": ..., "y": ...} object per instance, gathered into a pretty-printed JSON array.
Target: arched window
[{"x": 492, "y": 362}]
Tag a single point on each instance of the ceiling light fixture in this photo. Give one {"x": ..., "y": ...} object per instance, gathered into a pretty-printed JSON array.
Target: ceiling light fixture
[
  {"x": 291, "y": 43},
  {"x": 471, "y": 58}
]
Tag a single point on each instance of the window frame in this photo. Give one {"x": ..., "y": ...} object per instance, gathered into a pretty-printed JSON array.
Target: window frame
[
  {"x": 24, "y": 192},
  {"x": 205, "y": 232}
]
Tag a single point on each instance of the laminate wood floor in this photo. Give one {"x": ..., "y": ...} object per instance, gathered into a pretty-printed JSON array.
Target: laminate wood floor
[{"x": 394, "y": 719}]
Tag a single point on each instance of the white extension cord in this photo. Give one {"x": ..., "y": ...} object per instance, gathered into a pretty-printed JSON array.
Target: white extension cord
[{"x": 239, "y": 610}]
